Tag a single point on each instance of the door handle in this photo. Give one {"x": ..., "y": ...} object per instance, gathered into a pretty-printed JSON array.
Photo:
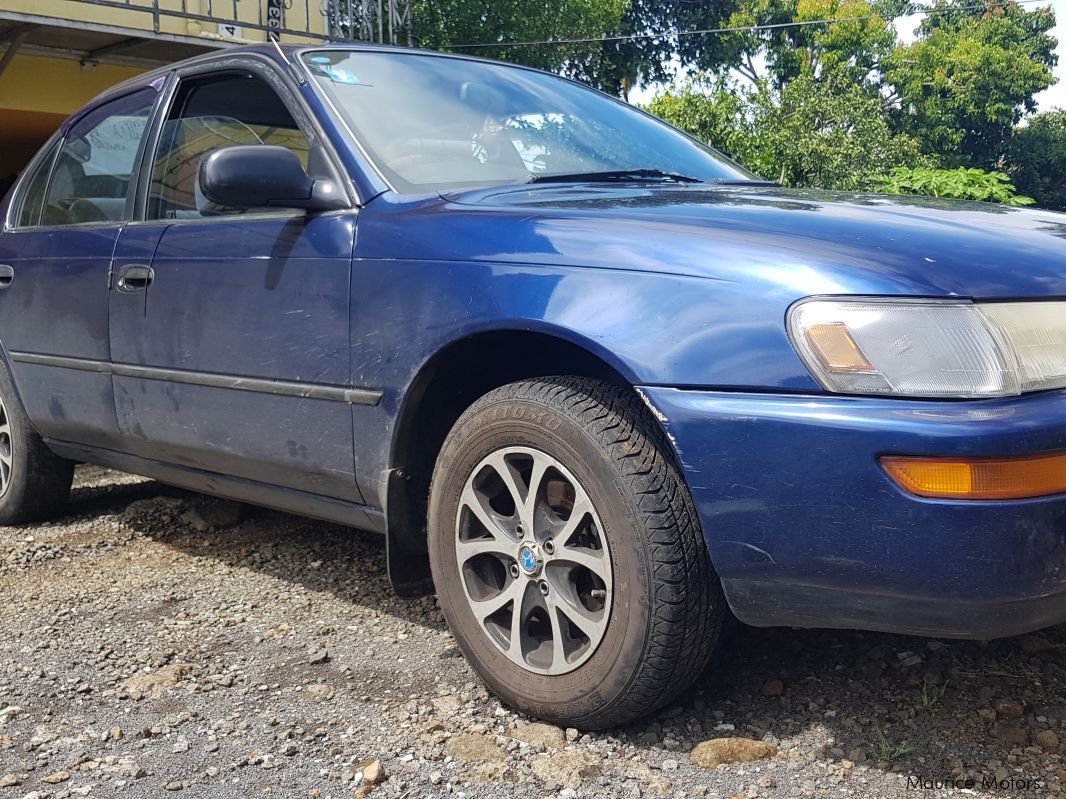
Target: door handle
[
  {"x": 7, "y": 274},
  {"x": 135, "y": 277}
]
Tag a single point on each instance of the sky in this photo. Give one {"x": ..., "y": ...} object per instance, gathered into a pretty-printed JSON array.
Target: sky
[{"x": 1055, "y": 97}]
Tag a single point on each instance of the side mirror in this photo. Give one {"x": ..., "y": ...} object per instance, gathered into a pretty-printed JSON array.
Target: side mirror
[{"x": 265, "y": 176}]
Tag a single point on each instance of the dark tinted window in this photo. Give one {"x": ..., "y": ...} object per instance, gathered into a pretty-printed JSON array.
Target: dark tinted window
[
  {"x": 28, "y": 205},
  {"x": 91, "y": 177},
  {"x": 219, "y": 112}
]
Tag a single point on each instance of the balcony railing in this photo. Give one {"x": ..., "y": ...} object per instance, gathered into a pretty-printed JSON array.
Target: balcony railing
[{"x": 203, "y": 19}]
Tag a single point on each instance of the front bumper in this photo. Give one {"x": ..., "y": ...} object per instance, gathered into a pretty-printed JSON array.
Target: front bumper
[{"x": 806, "y": 529}]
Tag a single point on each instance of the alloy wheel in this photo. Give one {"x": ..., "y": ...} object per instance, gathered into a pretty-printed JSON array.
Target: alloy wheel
[
  {"x": 6, "y": 449},
  {"x": 534, "y": 561}
]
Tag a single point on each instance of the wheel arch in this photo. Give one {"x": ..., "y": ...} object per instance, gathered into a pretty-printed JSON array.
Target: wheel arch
[{"x": 448, "y": 383}]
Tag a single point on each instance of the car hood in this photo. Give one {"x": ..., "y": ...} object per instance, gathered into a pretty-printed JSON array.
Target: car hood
[{"x": 810, "y": 242}]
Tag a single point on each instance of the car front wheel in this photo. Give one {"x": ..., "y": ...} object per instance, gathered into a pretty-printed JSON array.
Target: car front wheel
[{"x": 567, "y": 555}]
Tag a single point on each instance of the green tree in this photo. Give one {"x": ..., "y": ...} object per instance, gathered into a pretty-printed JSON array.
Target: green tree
[
  {"x": 635, "y": 41},
  {"x": 645, "y": 48},
  {"x": 446, "y": 24},
  {"x": 1037, "y": 154},
  {"x": 965, "y": 82},
  {"x": 711, "y": 112},
  {"x": 958, "y": 184},
  {"x": 827, "y": 133},
  {"x": 851, "y": 48}
]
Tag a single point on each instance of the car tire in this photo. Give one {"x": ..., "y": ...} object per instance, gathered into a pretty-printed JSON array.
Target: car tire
[
  {"x": 34, "y": 481},
  {"x": 615, "y": 617}
]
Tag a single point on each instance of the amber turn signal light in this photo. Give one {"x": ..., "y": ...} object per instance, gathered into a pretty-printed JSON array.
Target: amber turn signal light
[
  {"x": 836, "y": 349},
  {"x": 979, "y": 478}
]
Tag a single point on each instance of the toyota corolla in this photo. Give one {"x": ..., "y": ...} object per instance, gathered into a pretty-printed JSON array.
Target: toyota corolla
[{"x": 597, "y": 385}]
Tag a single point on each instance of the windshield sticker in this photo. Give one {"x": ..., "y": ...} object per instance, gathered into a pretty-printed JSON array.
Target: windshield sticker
[{"x": 339, "y": 75}]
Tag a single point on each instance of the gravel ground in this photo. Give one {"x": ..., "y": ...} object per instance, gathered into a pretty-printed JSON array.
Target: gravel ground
[{"x": 156, "y": 643}]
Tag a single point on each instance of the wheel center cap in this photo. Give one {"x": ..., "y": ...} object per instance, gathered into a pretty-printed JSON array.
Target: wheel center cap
[{"x": 529, "y": 559}]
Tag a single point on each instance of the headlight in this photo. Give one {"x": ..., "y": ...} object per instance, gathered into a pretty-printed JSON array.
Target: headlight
[{"x": 931, "y": 348}]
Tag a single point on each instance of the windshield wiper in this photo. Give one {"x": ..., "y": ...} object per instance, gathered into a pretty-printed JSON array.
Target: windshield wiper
[{"x": 613, "y": 175}]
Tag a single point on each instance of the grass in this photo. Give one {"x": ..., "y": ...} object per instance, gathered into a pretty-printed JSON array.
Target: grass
[
  {"x": 892, "y": 752},
  {"x": 931, "y": 695}
]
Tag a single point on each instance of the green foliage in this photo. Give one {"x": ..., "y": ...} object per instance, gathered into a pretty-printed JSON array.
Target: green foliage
[
  {"x": 832, "y": 105},
  {"x": 959, "y": 184},
  {"x": 619, "y": 64},
  {"x": 892, "y": 752},
  {"x": 829, "y": 134},
  {"x": 931, "y": 695},
  {"x": 442, "y": 24},
  {"x": 849, "y": 49},
  {"x": 611, "y": 65},
  {"x": 964, "y": 83},
  {"x": 712, "y": 113},
  {"x": 1038, "y": 154}
]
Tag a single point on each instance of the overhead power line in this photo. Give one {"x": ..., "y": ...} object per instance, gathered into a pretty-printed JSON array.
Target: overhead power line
[{"x": 736, "y": 29}]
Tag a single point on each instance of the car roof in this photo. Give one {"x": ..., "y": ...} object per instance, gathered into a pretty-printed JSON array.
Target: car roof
[{"x": 274, "y": 53}]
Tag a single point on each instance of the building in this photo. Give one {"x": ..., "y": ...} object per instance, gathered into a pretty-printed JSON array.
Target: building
[{"x": 57, "y": 54}]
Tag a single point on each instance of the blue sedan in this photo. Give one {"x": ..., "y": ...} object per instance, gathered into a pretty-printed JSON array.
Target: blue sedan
[{"x": 597, "y": 385}]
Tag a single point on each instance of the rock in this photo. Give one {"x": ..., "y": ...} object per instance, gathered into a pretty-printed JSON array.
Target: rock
[
  {"x": 176, "y": 785},
  {"x": 473, "y": 748},
  {"x": 544, "y": 734},
  {"x": 445, "y": 705},
  {"x": 1047, "y": 740},
  {"x": 651, "y": 781},
  {"x": 317, "y": 656},
  {"x": 719, "y": 751},
  {"x": 56, "y": 778},
  {"x": 567, "y": 768},
  {"x": 772, "y": 688},
  {"x": 1007, "y": 709},
  {"x": 1010, "y": 735},
  {"x": 156, "y": 683},
  {"x": 318, "y": 692},
  {"x": 214, "y": 514},
  {"x": 484, "y": 773},
  {"x": 147, "y": 514},
  {"x": 9, "y": 781},
  {"x": 10, "y": 713},
  {"x": 116, "y": 733},
  {"x": 373, "y": 772},
  {"x": 572, "y": 734},
  {"x": 767, "y": 782},
  {"x": 669, "y": 765}
]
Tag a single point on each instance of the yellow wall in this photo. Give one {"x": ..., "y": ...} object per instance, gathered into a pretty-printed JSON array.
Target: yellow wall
[
  {"x": 37, "y": 94},
  {"x": 56, "y": 85}
]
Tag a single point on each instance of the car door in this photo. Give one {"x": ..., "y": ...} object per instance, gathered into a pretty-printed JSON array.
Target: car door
[
  {"x": 229, "y": 329},
  {"x": 55, "y": 259}
]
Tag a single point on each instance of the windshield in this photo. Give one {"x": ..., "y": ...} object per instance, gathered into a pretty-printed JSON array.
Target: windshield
[{"x": 433, "y": 123}]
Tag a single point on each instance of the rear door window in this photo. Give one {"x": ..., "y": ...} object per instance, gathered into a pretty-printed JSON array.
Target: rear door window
[
  {"x": 90, "y": 180},
  {"x": 26, "y": 210}
]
